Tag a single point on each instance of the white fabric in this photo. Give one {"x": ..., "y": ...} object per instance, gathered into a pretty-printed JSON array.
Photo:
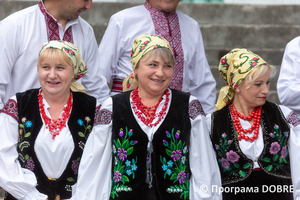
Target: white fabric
[
  {"x": 53, "y": 154},
  {"x": 125, "y": 26},
  {"x": 254, "y": 149},
  {"x": 288, "y": 85},
  {"x": 21, "y": 37},
  {"x": 94, "y": 177}
]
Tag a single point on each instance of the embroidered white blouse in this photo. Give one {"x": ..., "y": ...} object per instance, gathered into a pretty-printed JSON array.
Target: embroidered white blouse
[
  {"x": 125, "y": 26},
  {"x": 53, "y": 154},
  {"x": 254, "y": 149},
  {"x": 21, "y": 37},
  {"x": 94, "y": 178}
]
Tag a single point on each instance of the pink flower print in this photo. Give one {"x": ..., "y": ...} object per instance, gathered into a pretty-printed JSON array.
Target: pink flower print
[
  {"x": 132, "y": 76},
  {"x": 143, "y": 47},
  {"x": 117, "y": 176},
  {"x": 227, "y": 66},
  {"x": 225, "y": 163},
  {"x": 75, "y": 166},
  {"x": 223, "y": 61},
  {"x": 146, "y": 42},
  {"x": 176, "y": 155},
  {"x": 283, "y": 152},
  {"x": 155, "y": 47},
  {"x": 122, "y": 154},
  {"x": 255, "y": 58},
  {"x": 236, "y": 86},
  {"x": 66, "y": 50},
  {"x": 232, "y": 156},
  {"x": 275, "y": 147},
  {"x": 253, "y": 64},
  {"x": 131, "y": 53},
  {"x": 181, "y": 177},
  {"x": 128, "y": 85},
  {"x": 71, "y": 52}
]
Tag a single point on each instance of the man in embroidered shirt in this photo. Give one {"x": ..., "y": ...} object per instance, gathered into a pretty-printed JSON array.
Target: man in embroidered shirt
[
  {"x": 192, "y": 72},
  {"x": 23, "y": 33}
]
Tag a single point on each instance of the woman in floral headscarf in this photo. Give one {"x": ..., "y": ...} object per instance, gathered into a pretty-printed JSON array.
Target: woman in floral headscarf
[
  {"x": 154, "y": 142},
  {"x": 256, "y": 141},
  {"x": 43, "y": 131}
]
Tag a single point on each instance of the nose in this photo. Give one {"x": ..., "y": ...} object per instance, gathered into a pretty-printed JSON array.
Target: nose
[
  {"x": 89, "y": 5},
  {"x": 265, "y": 89},
  {"x": 52, "y": 73},
  {"x": 159, "y": 71}
]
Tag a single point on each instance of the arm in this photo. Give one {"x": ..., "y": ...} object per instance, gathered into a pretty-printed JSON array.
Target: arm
[
  {"x": 288, "y": 85},
  {"x": 202, "y": 82},
  {"x": 203, "y": 163},
  {"x": 9, "y": 41},
  {"x": 111, "y": 49},
  {"x": 93, "y": 80},
  {"x": 18, "y": 181},
  {"x": 294, "y": 148},
  {"x": 94, "y": 175}
]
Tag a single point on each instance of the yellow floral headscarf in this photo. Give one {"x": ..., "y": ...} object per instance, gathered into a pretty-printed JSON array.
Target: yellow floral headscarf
[
  {"x": 234, "y": 67},
  {"x": 74, "y": 55},
  {"x": 142, "y": 45}
]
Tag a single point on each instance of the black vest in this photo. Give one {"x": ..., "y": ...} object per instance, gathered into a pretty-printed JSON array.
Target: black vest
[
  {"x": 80, "y": 124},
  {"x": 169, "y": 172},
  {"x": 234, "y": 165}
]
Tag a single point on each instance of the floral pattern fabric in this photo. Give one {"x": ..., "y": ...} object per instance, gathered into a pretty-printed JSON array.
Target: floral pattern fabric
[
  {"x": 123, "y": 168},
  {"x": 175, "y": 165}
]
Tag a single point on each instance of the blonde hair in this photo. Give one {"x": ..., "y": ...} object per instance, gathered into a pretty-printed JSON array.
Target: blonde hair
[
  {"x": 164, "y": 53},
  {"x": 258, "y": 71},
  {"x": 54, "y": 54}
]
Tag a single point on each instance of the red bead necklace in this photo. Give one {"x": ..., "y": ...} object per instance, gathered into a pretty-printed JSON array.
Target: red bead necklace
[
  {"x": 255, "y": 115},
  {"x": 55, "y": 126},
  {"x": 147, "y": 114}
]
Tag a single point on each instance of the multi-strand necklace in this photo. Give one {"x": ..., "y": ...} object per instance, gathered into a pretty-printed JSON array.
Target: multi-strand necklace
[
  {"x": 148, "y": 114},
  {"x": 55, "y": 126},
  {"x": 255, "y": 115}
]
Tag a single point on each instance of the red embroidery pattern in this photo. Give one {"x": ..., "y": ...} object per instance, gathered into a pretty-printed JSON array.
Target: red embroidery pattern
[
  {"x": 293, "y": 119},
  {"x": 11, "y": 108},
  {"x": 52, "y": 26},
  {"x": 195, "y": 109},
  {"x": 169, "y": 28},
  {"x": 102, "y": 116}
]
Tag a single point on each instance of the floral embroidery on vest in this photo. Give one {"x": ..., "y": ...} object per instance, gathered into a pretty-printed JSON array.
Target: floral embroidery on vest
[
  {"x": 229, "y": 159},
  {"x": 279, "y": 150},
  {"x": 28, "y": 162},
  {"x": 124, "y": 168},
  {"x": 175, "y": 167},
  {"x": 87, "y": 130}
]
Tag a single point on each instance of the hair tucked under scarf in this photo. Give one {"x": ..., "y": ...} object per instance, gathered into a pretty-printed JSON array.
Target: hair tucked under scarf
[
  {"x": 234, "y": 67},
  {"x": 142, "y": 45},
  {"x": 74, "y": 55}
]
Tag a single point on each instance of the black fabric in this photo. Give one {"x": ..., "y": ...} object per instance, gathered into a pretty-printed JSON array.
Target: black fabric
[
  {"x": 272, "y": 122},
  {"x": 28, "y": 110},
  {"x": 177, "y": 119}
]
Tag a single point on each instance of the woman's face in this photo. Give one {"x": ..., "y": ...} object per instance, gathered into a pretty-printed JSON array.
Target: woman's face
[
  {"x": 256, "y": 94},
  {"x": 154, "y": 75},
  {"x": 55, "y": 77}
]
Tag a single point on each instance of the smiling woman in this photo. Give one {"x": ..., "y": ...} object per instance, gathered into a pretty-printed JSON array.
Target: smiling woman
[
  {"x": 46, "y": 129},
  {"x": 147, "y": 134}
]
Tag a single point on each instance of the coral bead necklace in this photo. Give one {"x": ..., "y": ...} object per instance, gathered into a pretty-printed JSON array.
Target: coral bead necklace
[
  {"x": 255, "y": 115},
  {"x": 55, "y": 126},
  {"x": 148, "y": 114}
]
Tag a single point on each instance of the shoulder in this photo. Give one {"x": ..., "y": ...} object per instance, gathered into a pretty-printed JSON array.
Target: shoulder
[
  {"x": 186, "y": 19},
  {"x": 84, "y": 24},
  {"x": 129, "y": 13},
  {"x": 26, "y": 13}
]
